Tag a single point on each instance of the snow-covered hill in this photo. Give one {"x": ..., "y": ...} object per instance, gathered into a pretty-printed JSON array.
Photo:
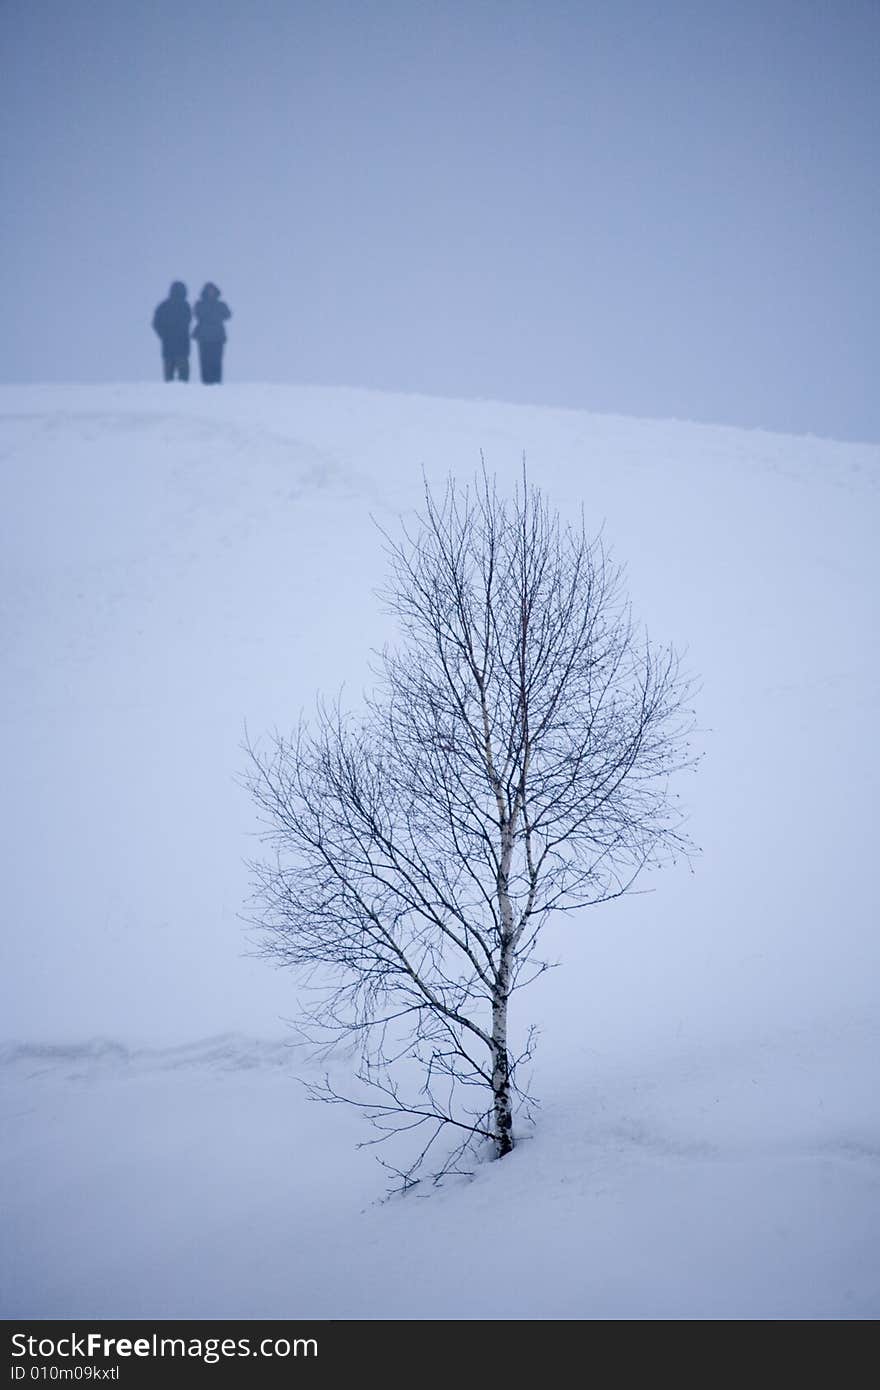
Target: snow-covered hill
[{"x": 178, "y": 564}]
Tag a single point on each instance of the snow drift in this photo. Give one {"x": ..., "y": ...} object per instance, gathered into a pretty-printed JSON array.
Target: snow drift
[{"x": 179, "y": 564}]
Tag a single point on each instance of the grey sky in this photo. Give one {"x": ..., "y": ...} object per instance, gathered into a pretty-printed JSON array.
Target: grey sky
[{"x": 664, "y": 208}]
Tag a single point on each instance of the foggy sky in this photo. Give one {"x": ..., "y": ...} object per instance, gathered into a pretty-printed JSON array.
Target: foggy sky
[{"x": 656, "y": 209}]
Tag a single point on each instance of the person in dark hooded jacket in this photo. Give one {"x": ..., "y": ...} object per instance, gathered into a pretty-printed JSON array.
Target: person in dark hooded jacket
[
  {"x": 171, "y": 321},
  {"x": 210, "y": 332}
]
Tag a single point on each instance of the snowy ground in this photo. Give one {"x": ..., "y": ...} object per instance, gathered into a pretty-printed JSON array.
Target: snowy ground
[
  {"x": 178, "y": 562},
  {"x": 197, "y": 1182}
]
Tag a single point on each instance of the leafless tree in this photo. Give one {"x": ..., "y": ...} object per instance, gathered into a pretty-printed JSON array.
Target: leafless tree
[{"x": 513, "y": 761}]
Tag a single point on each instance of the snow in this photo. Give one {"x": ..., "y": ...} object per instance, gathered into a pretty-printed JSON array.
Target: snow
[{"x": 179, "y": 565}]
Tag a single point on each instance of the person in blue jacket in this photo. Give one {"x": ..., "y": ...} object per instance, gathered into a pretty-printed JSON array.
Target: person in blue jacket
[
  {"x": 210, "y": 332},
  {"x": 171, "y": 321}
]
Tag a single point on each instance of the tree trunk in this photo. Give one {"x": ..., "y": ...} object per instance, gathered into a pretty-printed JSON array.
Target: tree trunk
[
  {"x": 503, "y": 1112},
  {"x": 500, "y": 1056}
]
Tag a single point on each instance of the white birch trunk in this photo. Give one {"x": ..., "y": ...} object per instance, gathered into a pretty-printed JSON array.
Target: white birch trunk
[{"x": 503, "y": 1111}]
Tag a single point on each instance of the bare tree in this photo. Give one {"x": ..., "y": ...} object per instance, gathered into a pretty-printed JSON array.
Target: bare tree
[{"x": 513, "y": 761}]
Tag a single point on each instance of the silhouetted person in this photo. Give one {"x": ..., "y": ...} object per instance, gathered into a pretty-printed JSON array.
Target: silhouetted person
[
  {"x": 210, "y": 332},
  {"x": 171, "y": 322}
]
